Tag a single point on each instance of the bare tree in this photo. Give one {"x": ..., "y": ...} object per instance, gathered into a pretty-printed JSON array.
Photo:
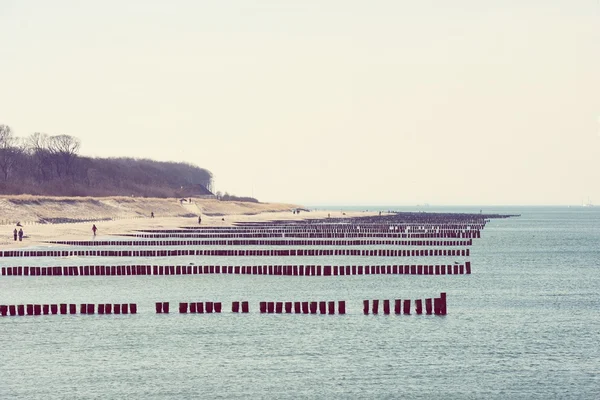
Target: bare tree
[
  {"x": 9, "y": 150},
  {"x": 64, "y": 149},
  {"x": 39, "y": 146}
]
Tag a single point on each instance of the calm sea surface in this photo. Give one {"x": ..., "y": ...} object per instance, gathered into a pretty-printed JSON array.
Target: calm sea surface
[{"x": 524, "y": 325}]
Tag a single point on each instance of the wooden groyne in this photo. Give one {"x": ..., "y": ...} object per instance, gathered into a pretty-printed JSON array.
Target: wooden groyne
[
  {"x": 283, "y": 270},
  {"x": 435, "y": 306},
  {"x": 64, "y": 309},
  {"x": 254, "y": 242},
  {"x": 238, "y": 253}
]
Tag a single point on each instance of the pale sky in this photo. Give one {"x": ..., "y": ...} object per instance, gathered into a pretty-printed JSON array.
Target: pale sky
[{"x": 322, "y": 102}]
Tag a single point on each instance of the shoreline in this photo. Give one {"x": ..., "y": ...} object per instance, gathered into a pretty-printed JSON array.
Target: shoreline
[
  {"x": 39, "y": 234},
  {"x": 44, "y": 218}
]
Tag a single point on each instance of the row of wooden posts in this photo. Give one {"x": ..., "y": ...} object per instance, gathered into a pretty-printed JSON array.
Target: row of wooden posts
[
  {"x": 240, "y": 253},
  {"x": 269, "y": 234},
  {"x": 63, "y": 308},
  {"x": 264, "y": 242},
  {"x": 286, "y": 270},
  {"x": 472, "y": 234},
  {"x": 435, "y": 306},
  {"x": 320, "y": 226}
]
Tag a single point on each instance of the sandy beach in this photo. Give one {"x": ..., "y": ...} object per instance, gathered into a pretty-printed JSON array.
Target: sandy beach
[{"x": 130, "y": 215}]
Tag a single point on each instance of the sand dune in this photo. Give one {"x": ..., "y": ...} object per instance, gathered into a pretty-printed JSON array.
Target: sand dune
[
  {"x": 118, "y": 215},
  {"x": 38, "y": 209}
]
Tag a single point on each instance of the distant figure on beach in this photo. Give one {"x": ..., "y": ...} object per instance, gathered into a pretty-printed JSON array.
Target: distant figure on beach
[
  {"x": 21, "y": 235},
  {"x": 222, "y": 219},
  {"x": 94, "y": 229},
  {"x": 19, "y": 223},
  {"x": 199, "y": 220},
  {"x": 152, "y": 214},
  {"x": 15, "y": 234},
  {"x": 380, "y": 213}
]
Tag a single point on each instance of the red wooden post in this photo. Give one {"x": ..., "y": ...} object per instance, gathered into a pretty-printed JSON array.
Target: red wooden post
[
  {"x": 341, "y": 307},
  {"x": 397, "y": 306},
  {"x": 419, "y": 306},
  {"x": 406, "y": 306},
  {"x": 323, "y": 307},
  {"x": 436, "y": 306},
  {"x": 428, "y": 307},
  {"x": 183, "y": 308},
  {"x": 443, "y": 303}
]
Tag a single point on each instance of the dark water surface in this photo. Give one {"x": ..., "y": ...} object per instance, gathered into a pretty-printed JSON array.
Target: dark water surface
[{"x": 525, "y": 324}]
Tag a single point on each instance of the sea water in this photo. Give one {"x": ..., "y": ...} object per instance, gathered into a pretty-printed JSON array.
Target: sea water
[{"x": 524, "y": 325}]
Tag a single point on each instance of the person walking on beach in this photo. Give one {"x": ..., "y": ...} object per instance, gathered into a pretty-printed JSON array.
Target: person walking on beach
[
  {"x": 94, "y": 229},
  {"x": 20, "y": 234},
  {"x": 199, "y": 219},
  {"x": 152, "y": 214},
  {"x": 15, "y": 234}
]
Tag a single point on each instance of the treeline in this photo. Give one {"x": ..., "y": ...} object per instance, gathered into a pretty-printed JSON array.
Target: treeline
[
  {"x": 229, "y": 197},
  {"x": 42, "y": 164}
]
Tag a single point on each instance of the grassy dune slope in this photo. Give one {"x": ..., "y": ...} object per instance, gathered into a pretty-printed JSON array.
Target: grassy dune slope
[{"x": 28, "y": 209}]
